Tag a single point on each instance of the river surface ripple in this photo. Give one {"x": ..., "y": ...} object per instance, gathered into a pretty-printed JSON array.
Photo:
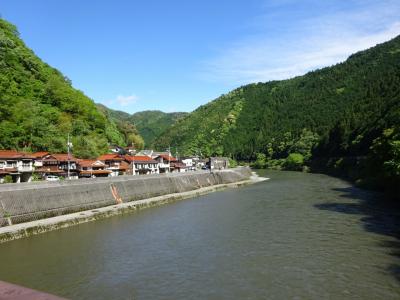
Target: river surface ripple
[{"x": 296, "y": 236}]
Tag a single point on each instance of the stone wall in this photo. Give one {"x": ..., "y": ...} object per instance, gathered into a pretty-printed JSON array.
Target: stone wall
[{"x": 32, "y": 201}]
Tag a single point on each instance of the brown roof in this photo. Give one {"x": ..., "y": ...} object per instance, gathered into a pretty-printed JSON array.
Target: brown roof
[
  {"x": 178, "y": 165},
  {"x": 13, "y": 154},
  {"x": 89, "y": 162},
  {"x": 110, "y": 157},
  {"x": 8, "y": 171},
  {"x": 167, "y": 157},
  {"x": 40, "y": 154},
  {"x": 94, "y": 172},
  {"x": 59, "y": 157},
  {"x": 140, "y": 158}
]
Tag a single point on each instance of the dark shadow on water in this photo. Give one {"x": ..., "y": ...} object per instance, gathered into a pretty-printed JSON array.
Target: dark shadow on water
[{"x": 377, "y": 214}]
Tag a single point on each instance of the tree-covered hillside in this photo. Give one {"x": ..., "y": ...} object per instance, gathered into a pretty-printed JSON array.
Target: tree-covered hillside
[
  {"x": 124, "y": 125},
  {"x": 152, "y": 123},
  {"x": 39, "y": 107},
  {"x": 350, "y": 110}
]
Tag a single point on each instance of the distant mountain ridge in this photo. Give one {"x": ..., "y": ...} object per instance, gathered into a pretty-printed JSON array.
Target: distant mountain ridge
[
  {"x": 345, "y": 118},
  {"x": 150, "y": 123}
]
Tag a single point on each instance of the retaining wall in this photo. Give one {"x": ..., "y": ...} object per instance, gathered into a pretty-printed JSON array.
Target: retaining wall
[{"x": 32, "y": 201}]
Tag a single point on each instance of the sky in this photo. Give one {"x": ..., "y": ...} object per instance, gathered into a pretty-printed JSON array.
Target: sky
[{"x": 177, "y": 55}]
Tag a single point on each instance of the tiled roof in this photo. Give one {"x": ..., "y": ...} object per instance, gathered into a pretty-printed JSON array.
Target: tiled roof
[
  {"x": 89, "y": 163},
  {"x": 140, "y": 158},
  {"x": 60, "y": 157},
  {"x": 94, "y": 172},
  {"x": 40, "y": 154},
  {"x": 167, "y": 157},
  {"x": 178, "y": 165},
  {"x": 13, "y": 154},
  {"x": 109, "y": 157}
]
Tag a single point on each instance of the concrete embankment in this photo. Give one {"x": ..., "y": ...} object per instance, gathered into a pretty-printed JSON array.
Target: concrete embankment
[{"x": 41, "y": 207}]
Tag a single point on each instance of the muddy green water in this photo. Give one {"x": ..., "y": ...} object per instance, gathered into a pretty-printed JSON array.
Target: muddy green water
[{"x": 296, "y": 236}]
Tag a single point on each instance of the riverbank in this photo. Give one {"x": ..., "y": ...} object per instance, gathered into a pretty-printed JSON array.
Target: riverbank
[{"x": 26, "y": 229}]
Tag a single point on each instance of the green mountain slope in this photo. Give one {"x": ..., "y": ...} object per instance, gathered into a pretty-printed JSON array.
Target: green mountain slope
[
  {"x": 39, "y": 107},
  {"x": 125, "y": 125},
  {"x": 335, "y": 112},
  {"x": 152, "y": 123}
]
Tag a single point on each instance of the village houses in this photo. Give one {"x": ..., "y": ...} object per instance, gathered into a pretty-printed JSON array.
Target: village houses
[{"x": 23, "y": 167}]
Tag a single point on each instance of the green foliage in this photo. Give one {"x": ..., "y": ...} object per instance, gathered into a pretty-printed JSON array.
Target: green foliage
[
  {"x": 261, "y": 161},
  {"x": 294, "y": 162},
  {"x": 331, "y": 117},
  {"x": 39, "y": 107},
  {"x": 124, "y": 126},
  {"x": 232, "y": 163},
  {"x": 8, "y": 179},
  {"x": 152, "y": 123}
]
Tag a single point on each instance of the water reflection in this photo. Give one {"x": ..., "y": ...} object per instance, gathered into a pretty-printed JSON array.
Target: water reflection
[{"x": 379, "y": 216}]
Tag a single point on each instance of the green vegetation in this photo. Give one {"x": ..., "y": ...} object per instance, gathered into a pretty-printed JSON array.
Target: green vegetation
[
  {"x": 148, "y": 124},
  {"x": 39, "y": 106},
  {"x": 152, "y": 123},
  {"x": 8, "y": 179},
  {"x": 131, "y": 135},
  {"x": 343, "y": 119}
]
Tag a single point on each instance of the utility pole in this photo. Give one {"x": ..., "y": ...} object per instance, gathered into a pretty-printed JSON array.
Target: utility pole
[
  {"x": 169, "y": 158},
  {"x": 68, "y": 145}
]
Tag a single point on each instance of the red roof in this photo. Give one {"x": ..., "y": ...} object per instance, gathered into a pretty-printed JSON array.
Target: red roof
[
  {"x": 60, "y": 157},
  {"x": 89, "y": 162},
  {"x": 110, "y": 157},
  {"x": 140, "y": 158},
  {"x": 13, "y": 154},
  {"x": 9, "y": 154},
  {"x": 40, "y": 154},
  {"x": 167, "y": 157},
  {"x": 94, "y": 172}
]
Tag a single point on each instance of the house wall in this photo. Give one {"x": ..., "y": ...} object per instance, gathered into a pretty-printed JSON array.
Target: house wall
[{"x": 36, "y": 200}]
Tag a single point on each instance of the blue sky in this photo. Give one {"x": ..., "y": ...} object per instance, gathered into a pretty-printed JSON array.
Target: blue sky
[{"x": 177, "y": 55}]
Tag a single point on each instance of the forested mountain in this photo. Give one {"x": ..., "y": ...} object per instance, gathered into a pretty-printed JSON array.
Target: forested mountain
[
  {"x": 152, "y": 123},
  {"x": 345, "y": 117},
  {"x": 39, "y": 107},
  {"x": 124, "y": 125}
]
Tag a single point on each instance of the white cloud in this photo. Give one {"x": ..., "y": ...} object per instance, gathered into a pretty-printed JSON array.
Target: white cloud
[
  {"x": 122, "y": 100},
  {"x": 304, "y": 45}
]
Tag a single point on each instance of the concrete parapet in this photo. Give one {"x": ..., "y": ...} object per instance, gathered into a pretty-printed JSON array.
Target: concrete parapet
[{"x": 32, "y": 201}]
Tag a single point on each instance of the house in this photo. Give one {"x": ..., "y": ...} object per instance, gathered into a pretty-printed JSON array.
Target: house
[
  {"x": 142, "y": 164},
  {"x": 218, "y": 163},
  {"x": 148, "y": 153},
  {"x": 60, "y": 165},
  {"x": 178, "y": 167},
  {"x": 164, "y": 162},
  {"x": 17, "y": 165},
  {"x": 115, "y": 149},
  {"x": 130, "y": 150},
  {"x": 90, "y": 168},
  {"x": 114, "y": 163},
  {"x": 190, "y": 162},
  {"x": 39, "y": 156}
]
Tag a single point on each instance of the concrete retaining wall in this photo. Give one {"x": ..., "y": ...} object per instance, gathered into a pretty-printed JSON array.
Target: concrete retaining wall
[{"x": 32, "y": 201}]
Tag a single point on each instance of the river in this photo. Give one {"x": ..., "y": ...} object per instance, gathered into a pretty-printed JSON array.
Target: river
[{"x": 296, "y": 236}]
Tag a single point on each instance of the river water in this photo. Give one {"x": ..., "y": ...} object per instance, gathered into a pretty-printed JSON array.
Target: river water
[{"x": 296, "y": 236}]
